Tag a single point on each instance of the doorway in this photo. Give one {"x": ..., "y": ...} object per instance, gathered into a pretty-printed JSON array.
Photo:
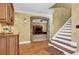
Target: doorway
[{"x": 39, "y": 28}]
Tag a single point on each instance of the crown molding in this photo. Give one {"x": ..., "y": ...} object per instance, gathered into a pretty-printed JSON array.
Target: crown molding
[{"x": 35, "y": 13}]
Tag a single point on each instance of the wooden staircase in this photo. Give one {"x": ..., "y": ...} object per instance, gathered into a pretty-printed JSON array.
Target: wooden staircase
[{"x": 62, "y": 39}]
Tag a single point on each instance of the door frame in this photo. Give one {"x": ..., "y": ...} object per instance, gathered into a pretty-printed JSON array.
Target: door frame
[{"x": 39, "y": 17}]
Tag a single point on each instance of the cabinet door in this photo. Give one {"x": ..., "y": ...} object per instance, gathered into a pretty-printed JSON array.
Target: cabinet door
[
  {"x": 10, "y": 14},
  {"x": 12, "y": 45},
  {"x": 2, "y": 11},
  {"x": 3, "y": 46}
]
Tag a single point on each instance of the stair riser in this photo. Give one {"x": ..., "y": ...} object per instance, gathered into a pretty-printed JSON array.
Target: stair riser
[
  {"x": 68, "y": 24},
  {"x": 64, "y": 32},
  {"x": 65, "y": 35},
  {"x": 63, "y": 38},
  {"x": 66, "y": 29},
  {"x": 65, "y": 43}
]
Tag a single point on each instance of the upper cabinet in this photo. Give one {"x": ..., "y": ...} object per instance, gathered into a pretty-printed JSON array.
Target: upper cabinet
[
  {"x": 2, "y": 11},
  {"x": 7, "y": 13},
  {"x": 10, "y": 14}
]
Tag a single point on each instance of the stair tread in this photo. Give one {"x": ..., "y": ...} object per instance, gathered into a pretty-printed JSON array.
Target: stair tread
[
  {"x": 69, "y": 23},
  {"x": 66, "y": 37},
  {"x": 65, "y": 33},
  {"x": 63, "y": 47},
  {"x": 68, "y": 43},
  {"x": 66, "y": 30},
  {"x": 63, "y": 38},
  {"x": 66, "y": 27}
]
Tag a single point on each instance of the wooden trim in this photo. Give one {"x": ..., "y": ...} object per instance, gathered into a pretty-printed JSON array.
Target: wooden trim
[
  {"x": 31, "y": 29},
  {"x": 24, "y": 42},
  {"x": 48, "y": 30},
  {"x": 7, "y": 46},
  {"x": 12, "y": 6},
  {"x": 17, "y": 44},
  {"x": 2, "y": 20}
]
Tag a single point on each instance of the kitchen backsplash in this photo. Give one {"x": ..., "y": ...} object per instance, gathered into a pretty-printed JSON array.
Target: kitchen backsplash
[{"x": 7, "y": 29}]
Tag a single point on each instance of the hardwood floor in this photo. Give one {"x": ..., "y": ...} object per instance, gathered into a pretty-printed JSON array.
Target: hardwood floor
[{"x": 38, "y": 48}]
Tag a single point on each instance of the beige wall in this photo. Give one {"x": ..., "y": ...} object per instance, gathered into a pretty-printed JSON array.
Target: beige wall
[
  {"x": 75, "y": 21},
  {"x": 60, "y": 16},
  {"x": 65, "y": 5},
  {"x": 23, "y": 28}
]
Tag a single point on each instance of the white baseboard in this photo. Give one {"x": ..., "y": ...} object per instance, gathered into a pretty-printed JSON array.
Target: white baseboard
[
  {"x": 24, "y": 42},
  {"x": 76, "y": 53}
]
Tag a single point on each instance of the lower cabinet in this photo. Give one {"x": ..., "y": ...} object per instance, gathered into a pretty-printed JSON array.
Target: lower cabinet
[
  {"x": 3, "y": 46},
  {"x": 9, "y": 44}
]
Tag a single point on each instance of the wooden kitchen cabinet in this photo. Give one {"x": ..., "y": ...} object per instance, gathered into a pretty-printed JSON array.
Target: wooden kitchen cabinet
[
  {"x": 2, "y": 11},
  {"x": 3, "y": 46},
  {"x": 10, "y": 14},
  {"x": 7, "y": 13},
  {"x": 9, "y": 44}
]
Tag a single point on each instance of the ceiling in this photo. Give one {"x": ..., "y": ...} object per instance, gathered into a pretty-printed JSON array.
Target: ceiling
[{"x": 42, "y": 8}]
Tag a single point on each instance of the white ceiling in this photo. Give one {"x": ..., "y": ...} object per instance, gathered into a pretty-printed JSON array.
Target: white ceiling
[{"x": 42, "y": 8}]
